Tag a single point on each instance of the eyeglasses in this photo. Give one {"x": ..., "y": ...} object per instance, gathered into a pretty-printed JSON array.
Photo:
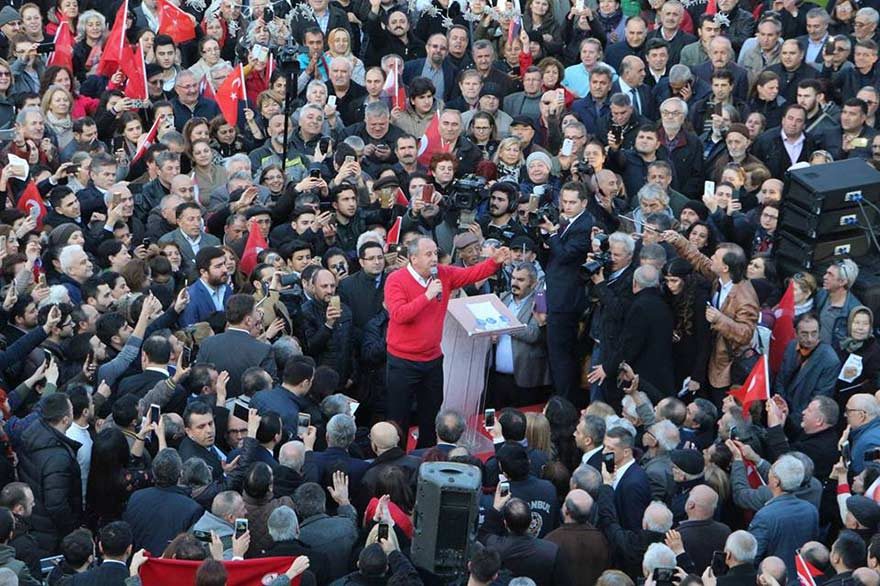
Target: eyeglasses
[
  {"x": 5, "y": 74},
  {"x": 671, "y": 113},
  {"x": 847, "y": 411}
]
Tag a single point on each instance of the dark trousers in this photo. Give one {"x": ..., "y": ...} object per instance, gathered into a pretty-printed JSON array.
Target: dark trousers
[
  {"x": 423, "y": 381},
  {"x": 504, "y": 392},
  {"x": 562, "y": 331}
]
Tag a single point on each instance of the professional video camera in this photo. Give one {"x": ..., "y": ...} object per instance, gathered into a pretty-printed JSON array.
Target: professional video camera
[
  {"x": 601, "y": 260},
  {"x": 584, "y": 169},
  {"x": 467, "y": 192}
]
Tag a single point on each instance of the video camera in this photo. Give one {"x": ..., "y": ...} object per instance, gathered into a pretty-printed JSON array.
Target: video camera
[
  {"x": 601, "y": 260},
  {"x": 467, "y": 192},
  {"x": 537, "y": 214}
]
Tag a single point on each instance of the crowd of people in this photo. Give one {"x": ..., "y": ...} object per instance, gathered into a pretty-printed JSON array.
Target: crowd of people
[{"x": 221, "y": 337}]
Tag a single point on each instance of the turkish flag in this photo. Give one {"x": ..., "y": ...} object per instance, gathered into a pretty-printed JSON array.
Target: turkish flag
[
  {"x": 254, "y": 246},
  {"x": 400, "y": 198},
  {"x": 393, "y": 236},
  {"x": 230, "y": 93},
  {"x": 62, "y": 56},
  {"x": 711, "y": 7},
  {"x": 206, "y": 88},
  {"x": 783, "y": 328},
  {"x": 431, "y": 141},
  {"x": 393, "y": 89},
  {"x": 30, "y": 201},
  {"x": 160, "y": 572},
  {"x": 175, "y": 22},
  {"x": 805, "y": 570},
  {"x": 135, "y": 70},
  {"x": 756, "y": 387},
  {"x": 150, "y": 141},
  {"x": 112, "y": 54}
]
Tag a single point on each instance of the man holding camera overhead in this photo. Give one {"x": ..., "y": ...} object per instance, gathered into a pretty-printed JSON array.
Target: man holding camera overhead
[{"x": 569, "y": 243}]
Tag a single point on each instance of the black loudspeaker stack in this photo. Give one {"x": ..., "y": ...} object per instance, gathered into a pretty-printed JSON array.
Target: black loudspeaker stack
[
  {"x": 446, "y": 514},
  {"x": 828, "y": 213}
]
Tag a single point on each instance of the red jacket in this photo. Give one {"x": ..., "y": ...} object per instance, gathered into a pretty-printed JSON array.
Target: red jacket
[{"x": 415, "y": 323}]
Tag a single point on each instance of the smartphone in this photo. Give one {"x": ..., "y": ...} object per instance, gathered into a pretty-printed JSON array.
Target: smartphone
[
  {"x": 203, "y": 536},
  {"x": 845, "y": 452},
  {"x": 427, "y": 194},
  {"x": 2, "y": 241},
  {"x": 187, "y": 357},
  {"x": 718, "y": 108},
  {"x": 303, "y": 421},
  {"x": 72, "y": 169},
  {"x": 155, "y": 412},
  {"x": 349, "y": 158},
  {"x": 504, "y": 488},
  {"x": 859, "y": 143},
  {"x": 617, "y": 131},
  {"x": 734, "y": 433},
  {"x": 240, "y": 409},
  {"x": 34, "y": 211},
  {"x": 146, "y": 242},
  {"x": 353, "y": 407},
  {"x": 735, "y": 195},
  {"x": 541, "y": 301},
  {"x": 335, "y": 302},
  {"x": 534, "y": 202},
  {"x": 324, "y": 145},
  {"x": 719, "y": 565},
  {"x": 241, "y": 527},
  {"x": 708, "y": 188},
  {"x": 383, "y": 531},
  {"x": 315, "y": 173},
  {"x": 331, "y": 101},
  {"x": 608, "y": 460},
  {"x": 325, "y": 206},
  {"x": 45, "y": 48},
  {"x": 664, "y": 576},
  {"x": 466, "y": 218},
  {"x": 567, "y": 147},
  {"x": 117, "y": 142},
  {"x": 489, "y": 416}
]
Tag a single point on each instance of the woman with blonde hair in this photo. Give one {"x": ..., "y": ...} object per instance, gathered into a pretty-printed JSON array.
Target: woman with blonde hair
[
  {"x": 32, "y": 23},
  {"x": 339, "y": 47},
  {"x": 509, "y": 159},
  {"x": 56, "y": 106},
  {"x": 538, "y": 432}
]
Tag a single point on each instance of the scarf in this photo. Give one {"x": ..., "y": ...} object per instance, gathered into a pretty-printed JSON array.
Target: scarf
[
  {"x": 610, "y": 22},
  {"x": 852, "y": 345}
]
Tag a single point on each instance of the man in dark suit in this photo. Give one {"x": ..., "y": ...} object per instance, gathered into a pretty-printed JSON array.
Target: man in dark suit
[
  {"x": 322, "y": 10},
  {"x": 198, "y": 423},
  {"x": 579, "y": 540},
  {"x": 341, "y": 431},
  {"x": 210, "y": 293},
  {"x": 569, "y": 243},
  {"x": 510, "y": 429},
  {"x": 450, "y": 426},
  {"x": 363, "y": 291},
  {"x": 792, "y": 69},
  {"x": 631, "y": 83},
  {"x": 720, "y": 57},
  {"x": 189, "y": 235},
  {"x": 236, "y": 349},
  {"x": 506, "y": 530},
  {"x": 384, "y": 440},
  {"x": 774, "y": 147},
  {"x": 632, "y": 489},
  {"x": 114, "y": 543},
  {"x": 155, "y": 354},
  {"x": 435, "y": 67},
  {"x": 595, "y": 105},
  {"x": 283, "y": 527},
  {"x": 700, "y": 533},
  {"x": 740, "y": 552},
  {"x": 588, "y": 436},
  {"x": 647, "y": 331}
]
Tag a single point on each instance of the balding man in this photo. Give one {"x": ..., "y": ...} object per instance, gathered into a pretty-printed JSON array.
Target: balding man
[
  {"x": 866, "y": 576},
  {"x": 631, "y": 83},
  {"x": 189, "y": 103},
  {"x": 647, "y": 331},
  {"x": 384, "y": 440},
  {"x": 701, "y": 534},
  {"x": 579, "y": 540},
  {"x": 861, "y": 413},
  {"x": 163, "y": 219},
  {"x": 721, "y": 57},
  {"x": 289, "y": 474},
  {"x": 772, "y": 567}
]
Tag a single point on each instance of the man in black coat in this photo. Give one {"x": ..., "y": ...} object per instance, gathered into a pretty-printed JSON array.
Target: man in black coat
[
  {"x": 506, "y": 530},
  {"x": 384, "y": 440},
  {"x": 770, "y": 148},
  {"x": 740, "y": 552},
  {"x": 115, "y": 545},
  {"x": 647, "y": 331},
  {"x": 19, "y": 498},
  {"x": 155, "y": 354},
  {"x": 569, "y": 243},
  {"x": 328, "y": 328},
  {"x": 47, "y": 463},
  {"x": 236, "y": 349},
  {"x": 283, "y": 527},
  {"x": 363, "y": 291},
  {"x": 701, "y": 535},
  {"x": 198, "y": 422}
]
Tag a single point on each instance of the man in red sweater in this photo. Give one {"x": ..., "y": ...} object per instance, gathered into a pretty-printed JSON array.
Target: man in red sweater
[{"x": 416, "y": 297}]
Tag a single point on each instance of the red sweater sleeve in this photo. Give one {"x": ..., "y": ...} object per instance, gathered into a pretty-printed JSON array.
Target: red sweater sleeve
[
  {"x": 460, "y": 277},
  {"x": 399, "y": 309}
]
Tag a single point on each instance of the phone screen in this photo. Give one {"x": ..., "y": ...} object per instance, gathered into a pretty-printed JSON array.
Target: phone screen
[
  {"x": 427, "y": 194},
  {"x": 304, "y": 420},
  {"x": 567, "y": 147},
  {"x": 241, "y": 527},
  {"x": 504, "y": 488},
  {"x": 187, "y": 357},
  {"x": 490, "y": 418},
  {"x": 383, "y": 531},
  {"x": 155, "y": 412},
  {"x": 240, "y": 409}
]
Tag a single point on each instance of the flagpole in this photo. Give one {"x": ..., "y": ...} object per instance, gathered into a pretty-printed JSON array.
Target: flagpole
[
  {"x": 243, "y": 86},
  {"x": 766, "y": 374}
]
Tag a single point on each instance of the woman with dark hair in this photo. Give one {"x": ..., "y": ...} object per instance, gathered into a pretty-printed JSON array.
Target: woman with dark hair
[
  {"x": 421, "y": 103},
  {"x": 208, "y": 175},
  {"x": 137, "y": 275},
  {"x": 272, "y": 178},
  {"x": 483, "y": 132},
  {"x": 57, "y": 75},
  {"x": 563, "y": 417},
  {"x": 687, "y": 294},
  {"x": 392, "y": 492},
  {"x": 116, "y": 472},
  {"x": 129, "y": 131},
  {"x": 185, "y": 547},
  {"x": 211, "y": 573},
  {"x": 226, "y": 139},
  {"x": 538, "y": 17},
  {"x": 701, "y": 235},
  {"x": 766, "y": 99}
]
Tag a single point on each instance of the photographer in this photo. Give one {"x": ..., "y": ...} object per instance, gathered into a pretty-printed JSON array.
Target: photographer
[
  {"x": 569, "y": 244},
  {"x": 612, "y": 295},
  {"x": 502, "y": 203}
]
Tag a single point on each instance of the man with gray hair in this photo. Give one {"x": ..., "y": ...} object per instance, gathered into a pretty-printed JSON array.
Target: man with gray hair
[
  {"x": 658, "y": 555},
  {"x": 659, "y": 440},
  {"x": 189, "y": 103},
  {"x": 835, "y": 301},
  {"x": 333, "y": 535},
  {"x": 579, "y": 540},
  {"x": 647, "y": 331},
  {"x": 740, "y": 552},
  {"x": 450, "y": 426},
  {"x": 786, "y": 522},
  {"x": 863, "y": 418},
  {"x": 291, "y": 470},
  {"x": 340, "y": 434},
  {"x": 283, "y": 527},
  {"x": 225, "y": 509},
  {"x": 76, "y": 269}
]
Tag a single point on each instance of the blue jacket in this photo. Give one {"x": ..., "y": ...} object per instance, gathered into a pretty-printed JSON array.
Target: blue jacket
[
  {"x": 200, "y": 306},
  {"x": 632, "y": 495},
  {"x": 861, "y": 440},
  {"x": 585, "y": 110},
  {"x": 783, "y": 525},
  {"x": 800, "y": 383},
  {"x": 284, "y": 403}
]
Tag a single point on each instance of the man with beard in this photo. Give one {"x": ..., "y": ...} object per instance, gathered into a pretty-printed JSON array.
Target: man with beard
[
  {"x": 19, "y": 498},
  {"x": 502, "y": 204},
  {"x": 209, "y": 293},
  {"x": 390, "y": 32},
  {"x": 781, "y": 147},
  {"x": 822, "y": 115},
  {"x": 792, "y": 69},
  {"x": 633, "y": 164},
  {"x": 684, "y": 150},
  {"x": 270, "y": 152},
  {"x": 737, "y": 142},
  {"x": 435, "y": 67}
]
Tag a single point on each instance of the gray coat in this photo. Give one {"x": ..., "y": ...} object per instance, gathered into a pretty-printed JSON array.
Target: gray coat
[
  {"x": 529, "y": 347},
  {"x": 753, "y": 499},
  {"x": 335, "y": 536},
  {"x": 186, "y": 251}
]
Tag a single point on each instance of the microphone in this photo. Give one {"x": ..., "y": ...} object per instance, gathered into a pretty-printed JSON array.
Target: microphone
[{"x": 434, "y": 276}]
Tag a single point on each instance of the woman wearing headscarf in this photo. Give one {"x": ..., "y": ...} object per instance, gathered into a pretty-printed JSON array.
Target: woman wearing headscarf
[{"x": 859, "y": 354}]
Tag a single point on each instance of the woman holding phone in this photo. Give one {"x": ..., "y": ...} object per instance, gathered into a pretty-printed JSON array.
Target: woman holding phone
[{"x": 687, "y": 294}]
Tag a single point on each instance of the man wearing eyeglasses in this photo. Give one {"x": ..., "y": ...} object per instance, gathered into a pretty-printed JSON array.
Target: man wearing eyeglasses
[
  {"x": 189, "y": 103},
  {"x": 835, "y": 301},
  {"x": 862, "y": 411}
]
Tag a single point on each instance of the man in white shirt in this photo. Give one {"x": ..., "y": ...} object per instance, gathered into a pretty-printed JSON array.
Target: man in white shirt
[{"x": 79, "y": 431}]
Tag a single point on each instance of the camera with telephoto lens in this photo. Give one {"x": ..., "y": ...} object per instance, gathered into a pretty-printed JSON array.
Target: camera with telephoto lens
[
  {"x": 467, "y": 192},
  {"x": 584, "y": 168},
  {"x": 548, "y": 212},
  {"x": 601, "y": 260}
]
